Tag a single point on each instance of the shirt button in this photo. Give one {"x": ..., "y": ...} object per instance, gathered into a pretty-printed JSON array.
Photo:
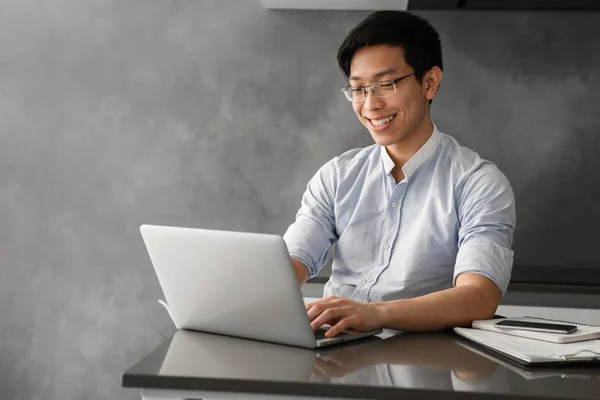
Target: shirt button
[
  {"x": 386, "y": 246},
  {"x": 394, "y": 204},
  {"x": 370, "y": 279}
]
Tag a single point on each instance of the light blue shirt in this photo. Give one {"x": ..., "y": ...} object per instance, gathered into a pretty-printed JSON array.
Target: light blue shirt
[{"x": 454, "y": 212}]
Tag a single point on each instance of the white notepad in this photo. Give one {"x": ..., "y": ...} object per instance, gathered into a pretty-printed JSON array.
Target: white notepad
[
  {"x": 530, "y": 351},
  {"x": 583, "y": 332}
]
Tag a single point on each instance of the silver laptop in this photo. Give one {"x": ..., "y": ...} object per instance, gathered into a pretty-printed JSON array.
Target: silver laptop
[{"x": 233, "y": 283}]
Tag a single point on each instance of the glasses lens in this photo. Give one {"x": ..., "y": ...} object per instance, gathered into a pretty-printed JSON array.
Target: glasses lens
[
  {"x": 354, "y": 94},
  {"x": 384, "y": 89}
]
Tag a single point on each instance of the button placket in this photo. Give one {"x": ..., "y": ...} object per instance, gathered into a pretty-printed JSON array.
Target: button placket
[{"x": 394, "y": 216}]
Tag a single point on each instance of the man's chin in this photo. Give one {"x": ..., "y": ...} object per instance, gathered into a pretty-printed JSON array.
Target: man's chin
[{"x": 383, "y": 140}]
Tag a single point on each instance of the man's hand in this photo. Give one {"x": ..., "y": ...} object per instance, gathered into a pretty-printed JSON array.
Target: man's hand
[
  {"x": 343, "y": 314},
  {"x": 350, "y": 359},
  {"x": 337, "y": 366}
]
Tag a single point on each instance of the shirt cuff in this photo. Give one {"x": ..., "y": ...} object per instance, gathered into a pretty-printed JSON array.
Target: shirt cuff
[{"x": 486, "y": 258}]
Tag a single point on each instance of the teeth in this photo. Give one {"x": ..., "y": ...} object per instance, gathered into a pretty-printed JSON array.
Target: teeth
[{"x": 380, "y": 122}]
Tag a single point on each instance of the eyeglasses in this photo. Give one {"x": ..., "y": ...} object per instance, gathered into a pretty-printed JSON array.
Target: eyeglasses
[{"x": 378, "y": 89}]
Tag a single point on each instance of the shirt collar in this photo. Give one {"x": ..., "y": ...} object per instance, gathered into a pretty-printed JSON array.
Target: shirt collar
[{"x": 418, "y": 159}]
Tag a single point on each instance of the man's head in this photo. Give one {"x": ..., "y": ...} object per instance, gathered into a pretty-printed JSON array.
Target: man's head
[{"x": 386, "y": 46}]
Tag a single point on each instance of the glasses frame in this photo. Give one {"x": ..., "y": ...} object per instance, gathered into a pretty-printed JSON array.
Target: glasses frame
[{"x": 372, "y": 90}]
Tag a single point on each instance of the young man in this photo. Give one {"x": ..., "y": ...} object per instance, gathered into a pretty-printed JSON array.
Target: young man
[{"x": 423, "y": 226}]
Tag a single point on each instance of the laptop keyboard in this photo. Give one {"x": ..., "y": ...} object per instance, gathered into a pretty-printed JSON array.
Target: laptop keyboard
[{"x": 320, "y": 334}]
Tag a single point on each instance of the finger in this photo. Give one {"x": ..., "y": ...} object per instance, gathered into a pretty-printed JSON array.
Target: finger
[
  {"x": 328, "y": 299},
  {"x": 345, "y": 323},
  {"x": 332, "y": 300},
  {"x": 318, "y": 307},
  {"x": 314, "y": 303},
  {"x": 317, "y": 310},
  {"x": 333, "y": 321},
  {"x": 326, "y": 316}
]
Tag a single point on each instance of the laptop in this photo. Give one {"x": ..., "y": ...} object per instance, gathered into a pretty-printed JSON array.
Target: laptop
[{"x": 233, "y": 283}]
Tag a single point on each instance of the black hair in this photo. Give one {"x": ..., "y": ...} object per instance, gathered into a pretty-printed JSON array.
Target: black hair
[{"x": 415, "y": 35}]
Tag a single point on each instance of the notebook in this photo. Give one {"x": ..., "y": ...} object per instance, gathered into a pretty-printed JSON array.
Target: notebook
[
  {"x": 527, "y": 351},
  {"x": 583, "y": 332}
]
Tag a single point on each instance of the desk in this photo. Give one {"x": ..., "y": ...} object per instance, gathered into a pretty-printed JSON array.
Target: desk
[{"x": 194, "y": 365}]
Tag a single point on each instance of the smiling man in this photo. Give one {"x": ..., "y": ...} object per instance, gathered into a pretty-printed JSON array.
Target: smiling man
[{"x": 423, "y": 226}]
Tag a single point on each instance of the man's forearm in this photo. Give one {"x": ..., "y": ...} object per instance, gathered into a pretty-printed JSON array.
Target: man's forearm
[
  {"x": 458, "y": 306},
  {"x": 302, "y": 274}
]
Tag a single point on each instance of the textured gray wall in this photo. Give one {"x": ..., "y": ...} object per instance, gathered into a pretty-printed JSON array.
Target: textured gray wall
[{"x": 210, "y": 114}]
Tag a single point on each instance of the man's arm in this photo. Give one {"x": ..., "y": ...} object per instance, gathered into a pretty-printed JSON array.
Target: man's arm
[
  {"x": 474, "y": 297},
  {"x": 313, "y": 232},
  {"x": 302, "y": 274}
]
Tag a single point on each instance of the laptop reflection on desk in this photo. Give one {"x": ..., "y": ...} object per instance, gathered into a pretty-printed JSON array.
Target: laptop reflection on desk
[
  {"x": 206, "y": 355},
  {"x": 198, "y": 354}
]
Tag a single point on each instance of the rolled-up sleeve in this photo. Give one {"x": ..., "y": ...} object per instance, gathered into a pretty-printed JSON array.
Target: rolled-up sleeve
[
  {"x": 487, "y": 218},
  {"x": 309, "y": 238}
]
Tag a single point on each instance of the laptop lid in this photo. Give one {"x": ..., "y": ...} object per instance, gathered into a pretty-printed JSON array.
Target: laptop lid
[{"x": 231, "y": 283}]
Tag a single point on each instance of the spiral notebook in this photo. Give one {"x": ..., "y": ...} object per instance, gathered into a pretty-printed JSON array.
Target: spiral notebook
[
  {"x": 533, "y": 352},
  {"x": 583, "y": 332}
]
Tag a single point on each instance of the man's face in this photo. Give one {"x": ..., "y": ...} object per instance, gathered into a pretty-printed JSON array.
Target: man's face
[{"x": 392, "y": 119}]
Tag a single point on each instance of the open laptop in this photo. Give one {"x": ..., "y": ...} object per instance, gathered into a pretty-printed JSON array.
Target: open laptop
[{"x": 233, "y": 283}]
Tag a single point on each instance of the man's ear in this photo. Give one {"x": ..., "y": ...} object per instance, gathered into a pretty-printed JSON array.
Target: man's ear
[{"x": 431, "y": 82}]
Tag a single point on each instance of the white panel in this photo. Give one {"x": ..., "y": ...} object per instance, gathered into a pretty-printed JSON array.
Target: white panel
[{"x": 337, "y": 4}]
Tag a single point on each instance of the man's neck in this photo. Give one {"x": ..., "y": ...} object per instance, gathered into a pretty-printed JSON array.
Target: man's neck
[{"x": 403, "y": 151}]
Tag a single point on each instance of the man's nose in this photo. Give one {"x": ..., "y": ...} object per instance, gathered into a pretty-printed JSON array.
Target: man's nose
[{"x": 372, "y": 102}]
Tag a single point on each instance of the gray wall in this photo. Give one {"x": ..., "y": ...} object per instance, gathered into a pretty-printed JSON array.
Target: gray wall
[{"x": 209, "y": 114}]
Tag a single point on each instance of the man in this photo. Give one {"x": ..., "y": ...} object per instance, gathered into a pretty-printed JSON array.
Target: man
[{"x": 423, "y": 227}]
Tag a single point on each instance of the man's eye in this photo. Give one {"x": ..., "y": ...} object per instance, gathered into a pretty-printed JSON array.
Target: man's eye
[
  {"x": 357, "y": 89},
  {"x": 387, "y": 85}
]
